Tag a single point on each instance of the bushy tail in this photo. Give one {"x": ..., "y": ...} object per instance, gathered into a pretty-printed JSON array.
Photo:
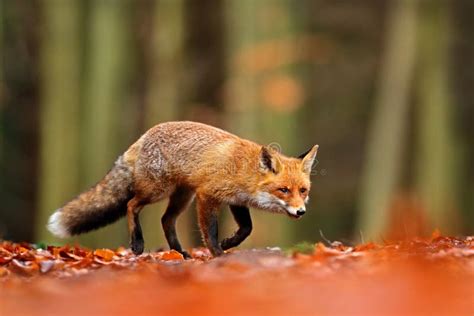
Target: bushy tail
[{"x": 103, "y": 204}]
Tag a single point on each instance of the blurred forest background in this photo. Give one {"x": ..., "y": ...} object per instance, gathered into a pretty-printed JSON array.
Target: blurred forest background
[{"x": 386, "y": 88}]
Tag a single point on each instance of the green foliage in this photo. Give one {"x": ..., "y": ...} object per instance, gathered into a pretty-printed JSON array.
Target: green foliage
[
  {"x": 304, "y": 247},
  {"x": 40, "y": 245}
]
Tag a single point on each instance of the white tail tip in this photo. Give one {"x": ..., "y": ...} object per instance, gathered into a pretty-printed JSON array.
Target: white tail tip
[{"x": 56, "y": 227}]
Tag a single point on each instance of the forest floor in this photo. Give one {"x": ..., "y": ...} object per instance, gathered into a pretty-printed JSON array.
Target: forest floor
[{"x": 433, "y": 276}]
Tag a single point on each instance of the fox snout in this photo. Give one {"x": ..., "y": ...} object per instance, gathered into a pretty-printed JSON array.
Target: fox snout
[{"x": 296, "y": 212}]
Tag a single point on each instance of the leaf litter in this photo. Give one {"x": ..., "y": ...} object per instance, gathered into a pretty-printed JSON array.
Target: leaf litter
[{"x": 419, "y": 276}]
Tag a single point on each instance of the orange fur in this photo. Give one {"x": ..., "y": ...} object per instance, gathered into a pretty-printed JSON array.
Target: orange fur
[{"x": 217, "y": 167}]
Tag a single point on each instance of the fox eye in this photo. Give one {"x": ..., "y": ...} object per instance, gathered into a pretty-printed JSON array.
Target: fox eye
[
  {"x": 284, "y": 190},
  {"x": 303, "y": 190}
]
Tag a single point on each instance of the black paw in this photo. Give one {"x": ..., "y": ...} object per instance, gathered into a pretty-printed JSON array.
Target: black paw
[
  {"x": 227, "y": 244},
  {"x": 137, "y": 247},
  {"x": 216, "y": 252},
  {"x": 185, "y": 254}
]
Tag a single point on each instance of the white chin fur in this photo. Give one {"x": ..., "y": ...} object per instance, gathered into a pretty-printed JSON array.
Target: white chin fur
[
  {"x": 56, "y": 227},
  {"x": 268, "y": 202}
]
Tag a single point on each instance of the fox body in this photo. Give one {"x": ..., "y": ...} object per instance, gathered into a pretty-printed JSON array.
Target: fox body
[{"x": 184, "y": 160}]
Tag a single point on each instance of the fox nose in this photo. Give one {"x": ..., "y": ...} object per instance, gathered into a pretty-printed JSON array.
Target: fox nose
[{"x": 300, "y": 212}]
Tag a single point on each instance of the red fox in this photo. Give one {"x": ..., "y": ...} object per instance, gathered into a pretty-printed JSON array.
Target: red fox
[{"x": 183, "y": 160}]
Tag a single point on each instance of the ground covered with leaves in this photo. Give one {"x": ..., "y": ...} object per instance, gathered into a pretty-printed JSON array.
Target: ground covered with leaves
[{"x": 432, "y": 276}]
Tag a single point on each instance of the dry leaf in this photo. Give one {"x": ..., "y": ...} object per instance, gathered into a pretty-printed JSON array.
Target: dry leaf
[
  {"x": 171, "y": 255},
  {"x": 105, "y": 254}
]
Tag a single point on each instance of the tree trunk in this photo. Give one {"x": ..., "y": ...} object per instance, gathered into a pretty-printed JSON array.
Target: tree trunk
[
  {"x": 165, "y": 61},
  {"x": 387, "y": 133},
  {"x": 103, "y": 104},
  {"x": 241, "y": 93},
  {"x": 462, "y": 74},
  {"x": 162, "y": 100},
  {"x": 2, "y": 79},
  {"x": 203, "y": 76},
  {"x": 264, "y": 89},
  {"x": 437, "y": 149},
  {"x": 60, "y": 72}
]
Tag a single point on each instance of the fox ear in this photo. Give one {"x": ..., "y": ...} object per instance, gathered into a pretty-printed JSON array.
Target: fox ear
[
  {"x": 308, "y": 159},
  {"x": 269, "y": 160}
]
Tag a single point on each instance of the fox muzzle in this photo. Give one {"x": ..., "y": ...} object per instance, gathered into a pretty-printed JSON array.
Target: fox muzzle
[{"x": 296, "y": 212}]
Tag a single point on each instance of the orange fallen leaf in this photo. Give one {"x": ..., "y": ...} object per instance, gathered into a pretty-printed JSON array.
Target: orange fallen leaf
[
  {"x": 6, "y": 259},
  {"x": 22, "y": 249},
  {"x": 83, "y": 263},
  {"x": 105, "y": 254},
  {"x": 171, "y": 255},
  {"x": 320, "y": 248},
  {"x": 27, "y": 268},
  {"x": 366, "y": 247}
]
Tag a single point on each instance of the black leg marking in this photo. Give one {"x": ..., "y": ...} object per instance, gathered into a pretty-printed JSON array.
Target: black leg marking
[
  {"x": 242, "y": 217},
  {"x": 137, "y": 242},
  {"x": 179, "y": 201},
  {"x": 213, "y": 242},
  {"x": 207, "y": 209}
]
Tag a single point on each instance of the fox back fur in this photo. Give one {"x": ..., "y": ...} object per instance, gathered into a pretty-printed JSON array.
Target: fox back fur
[{"x": 183, "y": 160}]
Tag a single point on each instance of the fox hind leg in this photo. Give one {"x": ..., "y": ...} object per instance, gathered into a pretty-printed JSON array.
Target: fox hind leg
[
  {"x": 137, "y": 243},
  {"x": 179, "y": 202},
  {"x": 242, "y": 217}
]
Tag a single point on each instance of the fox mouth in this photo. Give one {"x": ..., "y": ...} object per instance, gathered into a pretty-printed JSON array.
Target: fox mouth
[
  {"x": 293, "y": 215},
  {"x": 274, "y": 205},
  {"x": 290, "y": 215}
]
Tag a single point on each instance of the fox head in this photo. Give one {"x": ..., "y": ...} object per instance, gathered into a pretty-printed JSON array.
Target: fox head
[{"x": 285, "y": 182}]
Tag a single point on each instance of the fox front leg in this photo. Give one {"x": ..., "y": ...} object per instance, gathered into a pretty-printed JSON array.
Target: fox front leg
[
  {"x": 207, "y": 217},
  {"x": 135, "y": 230},
  {"x": 242, "y": 217}
]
